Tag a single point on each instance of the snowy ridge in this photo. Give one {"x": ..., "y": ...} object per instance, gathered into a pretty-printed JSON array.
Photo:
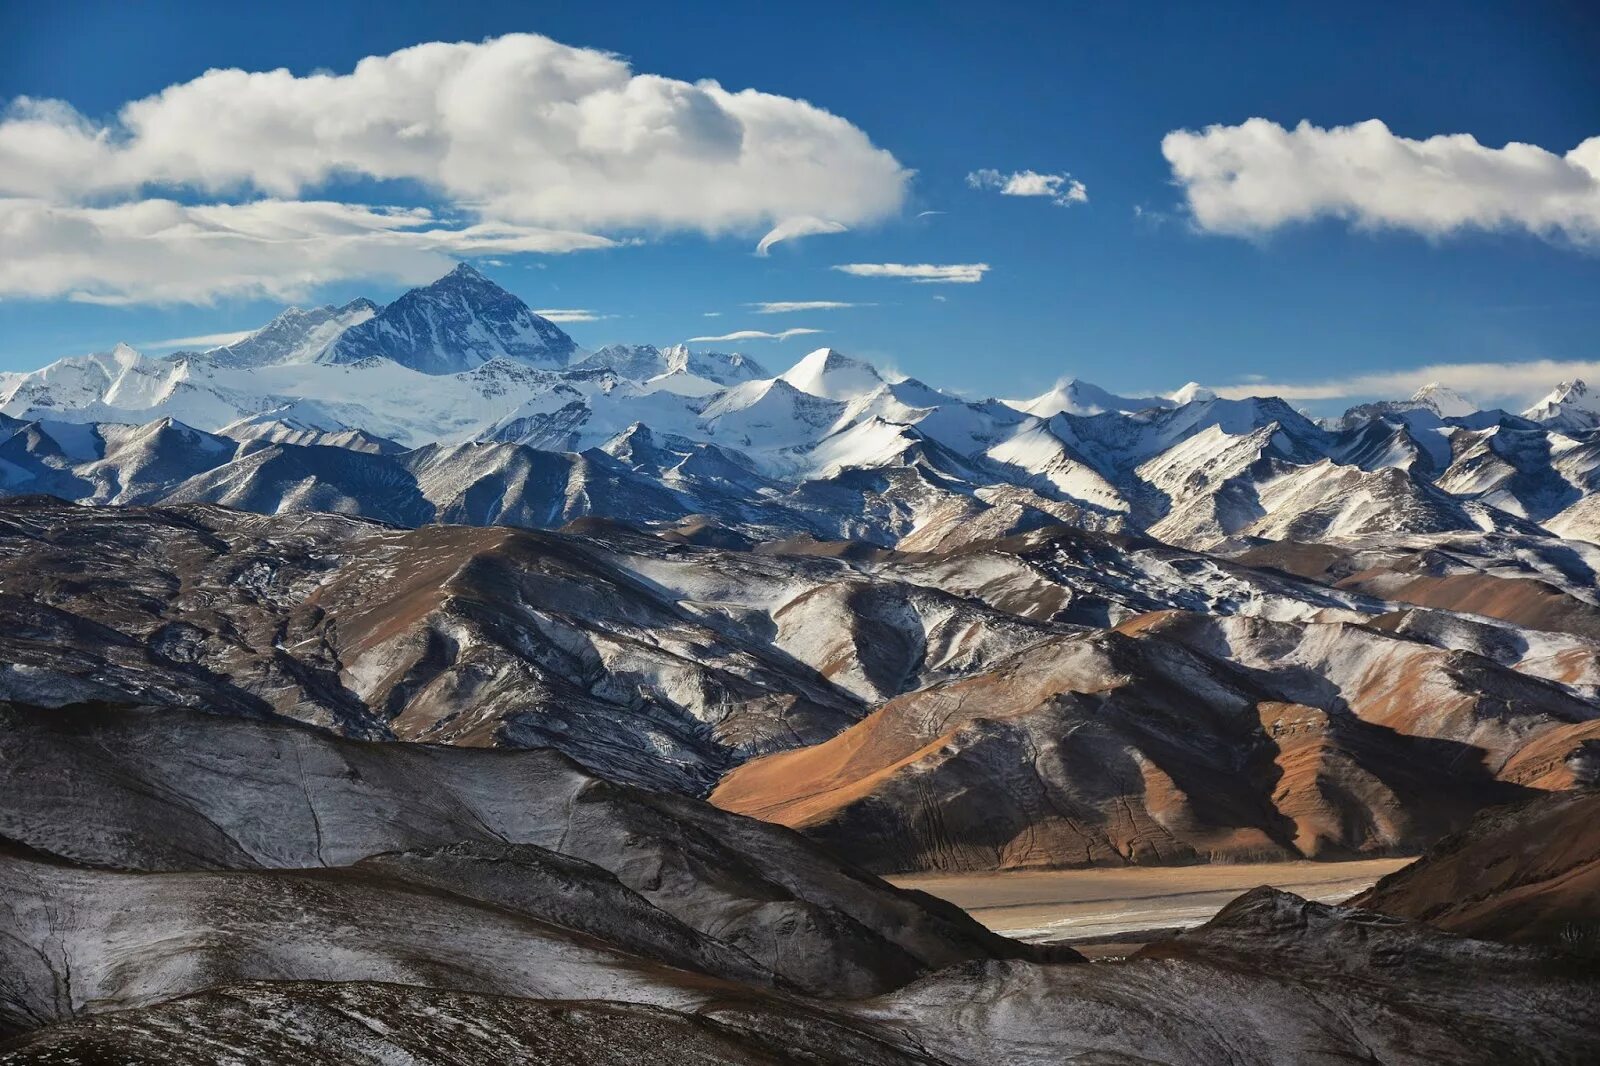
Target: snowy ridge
[{"x": 829, "y": 446}]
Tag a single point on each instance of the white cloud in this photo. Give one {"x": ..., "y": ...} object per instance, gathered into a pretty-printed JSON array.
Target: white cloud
[
  {"x": 1063, "y": 189},
  {"x": 571, "y": 314},
  {"x": 204, "y": 342},
  {"x": 534, "y": 130},
  {"x": 711, "y": 314},
  {"x": 782, "y": 307},
  {"x": 519, "y": 133},
  {"x": 952, "y": 273},
  {"x": 1257, "y": 176},
  {"x": 1513, "y": 385},
  {"x": 791, "y": 228},
  {"x": 159, "y": 251},
  {"x": 756, "y": 335}
]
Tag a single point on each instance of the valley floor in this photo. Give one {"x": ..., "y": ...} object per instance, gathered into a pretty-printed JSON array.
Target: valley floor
[{"x": 1112, "y": 905}]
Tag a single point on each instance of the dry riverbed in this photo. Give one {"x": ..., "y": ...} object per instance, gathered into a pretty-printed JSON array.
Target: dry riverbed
[{"x": 1115, "y": 906}]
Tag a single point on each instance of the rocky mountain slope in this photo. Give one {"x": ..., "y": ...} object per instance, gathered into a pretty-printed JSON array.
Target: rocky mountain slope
[
  {"x": 1174, "y": 737},
  {"x": 184, "y": 887},
  {"x": 1058, "y": 697},
  {"x": 1527, "y": 874}
]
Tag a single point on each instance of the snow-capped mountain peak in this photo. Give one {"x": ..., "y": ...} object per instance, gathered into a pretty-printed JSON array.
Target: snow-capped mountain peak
[
  {"x": 832, "y": 375},
  {"x": 295, "y": 336},
  {"x": 1076, "y": 397},
  {"x": 1569, "y": 406},
  {"x": 1191, "y": 393},
  {"x": 461, "y": 321},
  {"x": 1443, "y": 401},
  {"x": 1574, "y": 392}
]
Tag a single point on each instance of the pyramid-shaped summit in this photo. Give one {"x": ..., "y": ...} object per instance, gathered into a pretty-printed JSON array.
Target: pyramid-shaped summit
[
  {"x": 832, "y": 375},
  {"x": 461, "y": 321}
]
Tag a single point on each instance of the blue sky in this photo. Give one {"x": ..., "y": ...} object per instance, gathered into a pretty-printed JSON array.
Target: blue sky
[{"x": 1127, "y": 289}]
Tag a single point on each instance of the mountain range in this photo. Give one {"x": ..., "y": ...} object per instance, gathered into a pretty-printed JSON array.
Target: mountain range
[
  {"x": 407, "y": 684},
  {"x": 458, "y": 403}
]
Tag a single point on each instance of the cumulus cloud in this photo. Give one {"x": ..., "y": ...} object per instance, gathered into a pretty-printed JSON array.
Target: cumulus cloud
[
  {"x": 571, "y": 314},
  {"x": 1257, "y": 176},
  {"x": 514, "y": 132},
  {"x": 160, "y": 251},
  {"x": 1063, "y": 189},
  {"x": 949, "y": 273},
  {"x": 203, "y": 342},
  {"x": 1513, "y": 385},
  {"x": 756, "y": 335},
  {"x": 791, "y": 228},
  {"x": 781, "y": 307}
]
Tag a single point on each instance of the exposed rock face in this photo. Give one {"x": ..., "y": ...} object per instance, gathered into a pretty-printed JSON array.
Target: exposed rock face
[
  {"x": 316, "y": 1023},
  {"x": 265, "y": 826},
  {"x": 1272, "y": 980},
  {"x": 1177, "y": 737},
  {"x": 1527, "y": 874}
]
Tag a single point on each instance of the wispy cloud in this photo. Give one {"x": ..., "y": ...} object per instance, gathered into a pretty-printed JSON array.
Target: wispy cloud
[
  {"x": 783, "y": 307},
  {"x": 756, "y": 335},
  {"x": 950, "y": 273},
  {"x": 162, "y": 251},
  {"x": 1063, "y": 190},
  {"x": 928, "y": 214},
  {"x": 571, "y": 314},
  {"x": 1513, "y": 385},
  {"x": 791, "y": 228},
  {"x": 1252, "y": 178},
  {"x": 203, "y": 342}
]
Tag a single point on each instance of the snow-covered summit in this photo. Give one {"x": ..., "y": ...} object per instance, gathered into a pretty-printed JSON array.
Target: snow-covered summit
[
  {"x": 1569, "y": 406},
  {"x": 1193, "y": 392},
  {"x": 832, "y": 376},
  {"x": 1076, "y": 397},
  {"x": 461, "y": 321},
  {"x": 1443, "y": 401},
  {"x": 296, "y": 335}
]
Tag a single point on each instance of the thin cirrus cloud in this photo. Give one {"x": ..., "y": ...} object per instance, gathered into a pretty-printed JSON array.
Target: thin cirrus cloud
[
  {"x": 1514, "y": 385},
  {"x": 755, "y": 335},
  {"x": 519, "y": 133},
  {"x": 1063, "y": 190},
  {"x": 1250, "y": 179},
  {"x": 161, "y": 251},
  {"x": 571, "y": 314},
  {"x": 926, "y": 273},
  {"x": 783, "y": 307}
]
